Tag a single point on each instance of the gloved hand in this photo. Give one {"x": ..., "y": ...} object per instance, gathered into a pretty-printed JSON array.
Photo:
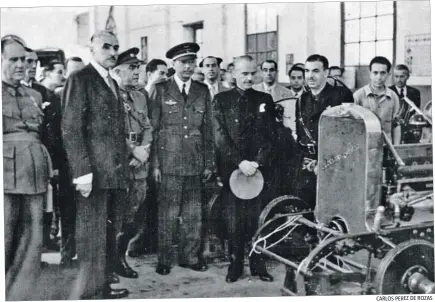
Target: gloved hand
[{"x": 135, "y": 163}]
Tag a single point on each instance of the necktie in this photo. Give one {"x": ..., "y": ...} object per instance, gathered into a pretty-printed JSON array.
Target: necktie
[
  {"x": 183, "y": 92},
  {"x": 112, "y": 85},
  {"x": 212, "y": 92},
  {"x": 401, "y": 95}
]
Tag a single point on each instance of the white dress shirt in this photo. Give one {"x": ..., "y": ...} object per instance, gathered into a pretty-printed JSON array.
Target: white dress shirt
[
  {"x": 180, "y": 84},
  {"x": 404, "y": 90}
]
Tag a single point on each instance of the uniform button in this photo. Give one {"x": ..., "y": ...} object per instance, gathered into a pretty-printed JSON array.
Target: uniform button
[
  {"x": 236, "y": 120},
  {"x": 186, "y": 136},
  {"x": 185, "y": 127},
  {"x": 161, "y": 147},
  {"x": 170, "y": 111},
  {"x": 185, "y": 118}
]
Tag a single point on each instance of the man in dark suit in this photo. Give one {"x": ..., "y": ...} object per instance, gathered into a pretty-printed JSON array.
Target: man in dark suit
[
  {"x": 244, "y": 131},
  {"x": 26, "y": 172},
  {"x": 401, "y": 76},
  {"x": 182, "y": 157},
  {"x": 308, "y": 110},
  {"x": 93, "y": 128}
]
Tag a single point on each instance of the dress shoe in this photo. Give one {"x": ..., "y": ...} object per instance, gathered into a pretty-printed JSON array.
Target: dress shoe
[
  {"x": 163, "y": 269},
  {"x": 199, "y": 267},
  {"x": 68, "y": 263},
  {"x": 112, "y": 278},
  {"x": 126, "y": 272},
  {"x": 265, "y": 277},
  {"x": 232, "y": 278},
  {"x": 44, "y": 264},
  {"x": 111, "y": 293}
]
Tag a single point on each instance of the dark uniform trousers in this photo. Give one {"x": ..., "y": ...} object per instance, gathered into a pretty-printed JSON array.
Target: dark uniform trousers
[
  {"x": 179, "y": 208},
  {"x": 97, "y": 219}
]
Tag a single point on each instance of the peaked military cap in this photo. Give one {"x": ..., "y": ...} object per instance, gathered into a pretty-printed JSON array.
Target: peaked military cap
[
  {"x": 219, "y": 60},
  {"x": 182, "y": 50},
  {"x": 128, "y": 57}
]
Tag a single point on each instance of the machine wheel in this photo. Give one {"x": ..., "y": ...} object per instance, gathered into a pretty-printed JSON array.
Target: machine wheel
[
  {"x": 290, "y": 245},
  {"x": 400, "y": 263},
  {"x": 282, "y": 205}
]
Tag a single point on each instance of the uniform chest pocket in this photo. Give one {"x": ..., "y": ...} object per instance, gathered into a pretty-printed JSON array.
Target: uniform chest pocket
[{"x": 172, "y": 115}]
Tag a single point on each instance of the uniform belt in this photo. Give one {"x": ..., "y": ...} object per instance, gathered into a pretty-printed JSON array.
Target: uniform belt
[
  {"x": 134, "y": 137},
  {"x": 21, "y": 137}
]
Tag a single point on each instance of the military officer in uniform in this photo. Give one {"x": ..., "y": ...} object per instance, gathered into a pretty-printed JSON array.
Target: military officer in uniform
[
  {"x": 26, "y": 172},
  {"x": 182, "y": 156},
  {"x": 245, "y": 129},
  {"x": 139, "y": 137}
]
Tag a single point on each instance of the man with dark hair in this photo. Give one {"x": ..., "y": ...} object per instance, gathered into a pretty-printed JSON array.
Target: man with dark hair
[
  {"x": 156, "y": 71},
  {"x": 229, "y": 79},
  {"x": 73, "y": 64},
  {"x": 182, "y": 157},
  {"x": 26, "y": 173},
  {"x": 401, "y": 76},
  {"x": 210, "y": 68},
  {"x": 93, "y": 128},
  {"x": 296, "y": 75},
  {"x": 308, "y": 110},
  {"x": 244, "y": 132},
  {"x": 336, "y": 72},
  {"x": 380, "y": 99}
]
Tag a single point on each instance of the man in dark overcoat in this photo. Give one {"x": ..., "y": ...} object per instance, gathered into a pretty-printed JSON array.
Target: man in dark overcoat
[{"x": 245, "y": 129}]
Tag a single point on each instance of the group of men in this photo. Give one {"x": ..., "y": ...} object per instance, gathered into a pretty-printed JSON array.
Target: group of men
[{"x": 102, "y": 136}]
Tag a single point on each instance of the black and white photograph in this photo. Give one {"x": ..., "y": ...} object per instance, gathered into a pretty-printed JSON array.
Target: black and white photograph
[{"x": 217, "y": 150}]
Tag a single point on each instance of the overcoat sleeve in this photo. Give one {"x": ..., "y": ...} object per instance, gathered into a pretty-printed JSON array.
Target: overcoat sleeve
[{"x": 154, "y": 112}]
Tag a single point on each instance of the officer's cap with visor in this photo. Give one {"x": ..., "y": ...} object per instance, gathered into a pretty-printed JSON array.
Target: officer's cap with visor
[
  {"x": 183, "y": 51},
  {"x": 129, "y": 57}
]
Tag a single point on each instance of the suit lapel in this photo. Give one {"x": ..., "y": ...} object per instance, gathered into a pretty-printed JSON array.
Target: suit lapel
[{"x": 101, "y": 82}]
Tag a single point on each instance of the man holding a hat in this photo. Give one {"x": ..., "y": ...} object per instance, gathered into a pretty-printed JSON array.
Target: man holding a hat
[
  {"x": 245, "y": 129},
  {"x": 138, "y": 133},
  {"x": 182, "y": 157}
]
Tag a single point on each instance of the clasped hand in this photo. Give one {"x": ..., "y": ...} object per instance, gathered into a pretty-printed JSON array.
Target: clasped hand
[{"x": 248, "y": 167}]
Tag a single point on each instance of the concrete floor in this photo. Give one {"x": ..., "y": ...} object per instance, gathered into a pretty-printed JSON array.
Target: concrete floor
[{"x": 55, "y": 284}]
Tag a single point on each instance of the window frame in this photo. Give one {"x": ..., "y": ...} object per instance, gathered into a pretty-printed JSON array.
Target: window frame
[{"x": 343, "y": 34}]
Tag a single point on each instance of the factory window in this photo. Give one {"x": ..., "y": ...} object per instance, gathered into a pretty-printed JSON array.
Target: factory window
[
  {"x": 261, "y": 32},
  {"x": 368, "y": 31},
  {"x": 82, "y": 21},
  {"x": 144, "y": 49},
  {"x": 195, "y": 33}
]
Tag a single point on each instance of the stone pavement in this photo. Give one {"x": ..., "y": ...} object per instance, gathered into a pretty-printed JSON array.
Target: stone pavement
[{"x": 55, "y": 284}]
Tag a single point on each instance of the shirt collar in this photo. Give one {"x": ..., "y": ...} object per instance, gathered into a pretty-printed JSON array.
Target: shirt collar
[
  {"x": 27, "y": 84},
  {"x": 13, "y": 90},
  {"x": 103, "y": 72},
  {"x": 180, "y": 83},
  {"x": 267, "y": 87},
  {"x": 368, "y": 91},
  {"x": 404, "y": 89},
  {"x": 215, "y": 85}
]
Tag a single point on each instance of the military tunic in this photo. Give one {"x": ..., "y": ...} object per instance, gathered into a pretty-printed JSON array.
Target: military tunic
[
  {"x": 26, "y": 173},
  {"x": 182, "y": 150},
  {"x": 138, "y": 133}
]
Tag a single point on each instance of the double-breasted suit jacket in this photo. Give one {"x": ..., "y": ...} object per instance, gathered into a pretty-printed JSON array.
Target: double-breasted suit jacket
[{"x": 183, "y": 130}]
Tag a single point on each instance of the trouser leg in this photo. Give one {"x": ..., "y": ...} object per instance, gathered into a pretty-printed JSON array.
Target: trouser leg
[
  {"x": 191, "y": 221},
  {"x": 137, "y": 217},
  {"x": 25, "y": 269},
  {"x": 12, "y": 205},
  {"x": 91, "y": 243},
  {"x": 168, "y": 216}
]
